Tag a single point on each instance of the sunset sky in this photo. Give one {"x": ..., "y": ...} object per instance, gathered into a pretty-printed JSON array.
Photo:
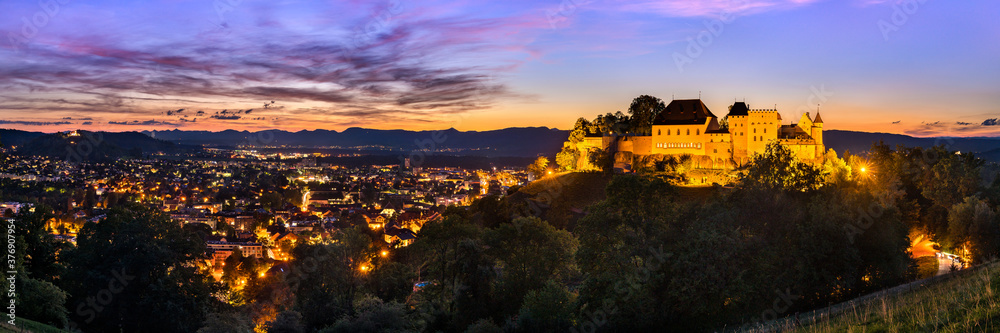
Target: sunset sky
[{"x": 920, "y": 67}]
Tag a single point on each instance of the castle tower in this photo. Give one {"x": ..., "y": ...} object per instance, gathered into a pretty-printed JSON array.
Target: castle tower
[
  {"x": 762, "y": 129},
  {"x": 817, "y": 134},
  {"x": 737, "y": 119}
]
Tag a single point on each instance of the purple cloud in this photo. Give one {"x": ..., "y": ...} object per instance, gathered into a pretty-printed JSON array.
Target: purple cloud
[{"x": 34, "y": 123}]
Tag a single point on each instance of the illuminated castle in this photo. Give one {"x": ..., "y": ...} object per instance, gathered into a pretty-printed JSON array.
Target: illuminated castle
[{"x": 688, "y": 127}]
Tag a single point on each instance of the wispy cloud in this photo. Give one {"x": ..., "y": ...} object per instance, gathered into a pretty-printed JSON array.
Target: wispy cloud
[
  {"x": 143, "y": 123},
  {"x": 414, "y": 60},
  {"x": 34, "y": 123},
  {"x": 959, "y": 128},
  {"x": 709, "y": 8}
]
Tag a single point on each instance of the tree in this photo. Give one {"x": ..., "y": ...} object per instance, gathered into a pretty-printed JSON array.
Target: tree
[
  {"x": 580, "y": 130},
  {"x": 452, "y": 259},
  {"x": 567, "y": 158},
  {"x": 973, "y": 229},
  {"x": 644, "y": 110},
  {"x": 516, "y": 248},
  {"x": 952, "y": 178},
  {"x": 777, "y": 168},
  {"x": 226, "y": 323},
  {"x": 272, "y": 201},
  {"x": 134, "y": 266},
  {"x": 286, "y": 322},
  {"x": 239, "y": 269},
  {"x": 548, "y": 309},
  {"x": 835, "y": 169},
  {"x": 372, "y": 316},
  {"x": 42, "y": 301},
  {"x": 42, "y": 252},
  {"x": 391, "y": 281},
  {"x": 330, "y": 276},
  {"x": 603, "y": 159},
  {"x": 484, "y": 326},
  {"x": 540, "y": 167},
  {"x": 610, "y": 124}
]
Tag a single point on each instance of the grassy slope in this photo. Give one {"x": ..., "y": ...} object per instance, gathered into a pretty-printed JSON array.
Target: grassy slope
[
  {"x": 967, "y": 301},
  {"x": 564, "y": 197},
  {"x": 24, "y": 325}
]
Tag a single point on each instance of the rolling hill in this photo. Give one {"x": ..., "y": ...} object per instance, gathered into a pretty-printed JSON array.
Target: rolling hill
[{"x": 85, "y": 146}]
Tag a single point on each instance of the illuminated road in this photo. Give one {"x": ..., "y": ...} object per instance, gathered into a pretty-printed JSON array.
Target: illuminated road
[
  {"x": 944, "y": 266},
  {"x": 922, "y": 246}
]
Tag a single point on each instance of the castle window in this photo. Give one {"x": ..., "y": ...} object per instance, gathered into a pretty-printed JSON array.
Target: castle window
[
  {"x": 715, "y": 151},
  {"x": 658, "y": 132},
  {"x": 765, "y": 130},
  {"x": 688, "y": 132},
  {"x": 755, "y": 138},
  {"x": 678, "y": 131},
  {"x": 755, "y": 130},
  {"x": 697, "y": 131}
]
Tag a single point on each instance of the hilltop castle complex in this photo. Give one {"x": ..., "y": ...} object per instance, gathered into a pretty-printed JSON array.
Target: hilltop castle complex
[{"x": 688, "y": 127}]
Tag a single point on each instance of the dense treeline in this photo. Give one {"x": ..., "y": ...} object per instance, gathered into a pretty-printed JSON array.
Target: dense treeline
[{"x": 786, "y": 238}]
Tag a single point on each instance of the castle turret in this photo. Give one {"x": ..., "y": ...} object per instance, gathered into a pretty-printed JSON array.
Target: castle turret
[
  {"x": 817, "y": 134},
  {"x": 817, "y": 129}
]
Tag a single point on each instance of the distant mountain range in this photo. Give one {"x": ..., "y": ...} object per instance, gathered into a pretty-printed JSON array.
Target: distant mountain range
[
  {"x": 515, "y": 141},
  {"x": 510, "y": 142},
  {"x": 857, "y": 142}
]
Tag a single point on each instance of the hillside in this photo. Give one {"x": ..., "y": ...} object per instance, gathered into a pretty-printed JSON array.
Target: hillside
[
  {"x": 94, "y": 146},
  {"x": 13, "y": 137},
  {"x": 563, "y": 198},
  {"x": 966, "y": 301}
]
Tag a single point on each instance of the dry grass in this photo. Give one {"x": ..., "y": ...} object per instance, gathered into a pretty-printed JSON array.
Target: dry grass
[{"x": 966, "y": 302}]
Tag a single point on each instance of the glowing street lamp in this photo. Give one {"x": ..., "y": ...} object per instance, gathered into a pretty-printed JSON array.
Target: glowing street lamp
[{"x": 385, "y": 253}]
